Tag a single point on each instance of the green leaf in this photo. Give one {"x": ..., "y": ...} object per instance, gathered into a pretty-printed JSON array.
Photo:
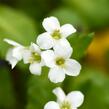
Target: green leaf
[
  {"x": 80, "y": 44},
  {"x": 16, "y": 26}
]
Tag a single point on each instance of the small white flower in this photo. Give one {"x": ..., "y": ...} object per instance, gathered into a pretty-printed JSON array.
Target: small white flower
[
  {"x": 60, "y": 63},
  {"x": 14, "y": 55},
  {"x": 32, "y": 55},
  {"x": 71, "y": 101},
  {"x": 54, "y": 33}
]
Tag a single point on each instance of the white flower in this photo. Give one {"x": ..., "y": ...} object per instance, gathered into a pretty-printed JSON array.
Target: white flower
[
  {"x": 72, "y": 101},
  {"x": 32, "y": 55},
  {"x": 60, "y": 63},
  {"x": 15, "y": 54},
  {"x": 54, "y": 33}
]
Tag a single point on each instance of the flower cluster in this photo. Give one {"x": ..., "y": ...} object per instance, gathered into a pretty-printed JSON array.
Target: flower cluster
[{"x": 53, "y": 50}]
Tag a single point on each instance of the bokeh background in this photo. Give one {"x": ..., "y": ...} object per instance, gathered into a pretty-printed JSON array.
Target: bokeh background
[{"x": 20, "y": 20}]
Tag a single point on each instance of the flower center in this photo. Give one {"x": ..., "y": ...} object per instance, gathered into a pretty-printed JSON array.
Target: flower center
[
  {"x": 60, "y": 61},
  {"x": 56, "y": 34},
  {"x": 35, "y": 57},
  {"x": 65, "y": 105}
]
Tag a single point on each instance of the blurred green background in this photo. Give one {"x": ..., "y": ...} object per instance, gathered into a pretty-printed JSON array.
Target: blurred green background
[{"x": 20, "y": 20}]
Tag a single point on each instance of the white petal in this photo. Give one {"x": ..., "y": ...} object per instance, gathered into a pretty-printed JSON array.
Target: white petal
[
  {"x": 67, "y": 30},
  {"x": 17, "y": 52},
  {"x": 52, "y": 105},
  {"x": 72, "y": 67},
  {"x": 35, "y": 68},
  {"x": 11, "y": 42},
  {"x": 60, "y": 94},
  {"x": 56, "y": 75},
  {"x": 12, "y": 60},
  {"x": 63, "y": 48},
  {"x": 48, "y": 57},
  {"x": 76, "y": 98},
  {"x": 45, "y": 41},
  {"x": 35, "y": 48},
  {"x": 26, "y": 55},
  {"x": 42, "y": 62},
  {"x": 50, "y": 24}
]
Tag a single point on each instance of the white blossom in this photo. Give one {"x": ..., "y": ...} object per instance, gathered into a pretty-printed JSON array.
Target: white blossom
[
  {"x": 54, "y": 33},
  {"x": 14, "y": 55},
  {"x": 72, "y": 100},
  {"x": 32, "y": 55},
  {"x": 60, "y": 63}
]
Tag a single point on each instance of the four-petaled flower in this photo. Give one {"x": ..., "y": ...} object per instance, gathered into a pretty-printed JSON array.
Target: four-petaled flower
[
  {"x": 60, "y": 63},
  {"x": 71, "y": 101},
  {"x": 14, "y": 54},
  {"x": 54, "y": 33},
  {"x": 32, "y": 55}
]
